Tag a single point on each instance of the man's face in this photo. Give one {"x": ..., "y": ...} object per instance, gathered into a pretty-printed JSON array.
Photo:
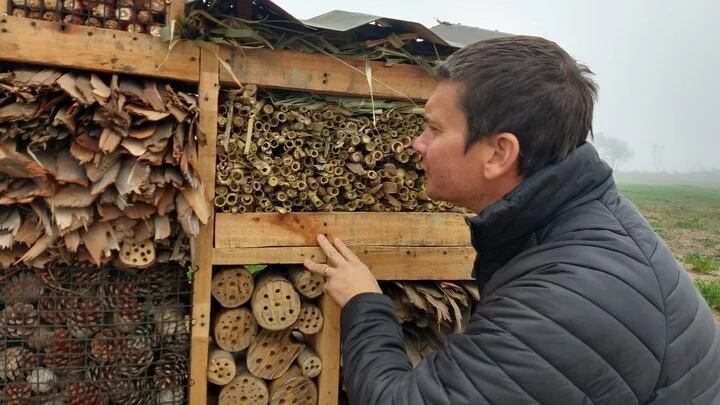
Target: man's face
[{"x": 451, "y": 174}]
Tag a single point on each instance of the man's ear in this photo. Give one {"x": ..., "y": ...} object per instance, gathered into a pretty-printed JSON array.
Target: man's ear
[{"x": 503, "y": 155}]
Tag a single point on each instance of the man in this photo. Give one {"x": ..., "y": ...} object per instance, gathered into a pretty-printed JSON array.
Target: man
[{"x": 581, "y": 302}]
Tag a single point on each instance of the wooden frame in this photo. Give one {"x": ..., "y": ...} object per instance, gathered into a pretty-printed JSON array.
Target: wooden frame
[
  {"x": 325, "y": 74},
  {"x": 98, "y": 49},
  {"x": 396, "y": 246}
]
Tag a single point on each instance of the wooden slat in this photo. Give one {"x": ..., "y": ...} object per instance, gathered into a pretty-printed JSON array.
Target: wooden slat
[
  {"x": 324, "y": 74},
  {"x": 361, "y": 228},
  {"x": 327, "y": 346},
  {"x": 4, "y": 7},
  {"x": 208, "y": 92},
  {"x": 79, "y": 47},
  {"x": 176, "y": 10},
  {"x": 386, "y": 263}
]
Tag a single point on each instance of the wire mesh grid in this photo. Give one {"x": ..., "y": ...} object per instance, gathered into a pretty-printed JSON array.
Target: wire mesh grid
[
  {"x": 94, "y": 336},
  {"x": 137, "y": 16}
]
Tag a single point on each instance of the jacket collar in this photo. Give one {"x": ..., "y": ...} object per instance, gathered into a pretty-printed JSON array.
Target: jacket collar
[{"x": 505, "y": 228}]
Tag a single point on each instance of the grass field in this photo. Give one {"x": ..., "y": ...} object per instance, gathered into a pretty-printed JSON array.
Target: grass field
[{"x": 688, "y": 219}]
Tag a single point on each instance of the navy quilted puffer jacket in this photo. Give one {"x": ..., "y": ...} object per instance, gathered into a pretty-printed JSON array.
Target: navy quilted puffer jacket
[{"x": 582, "y": 303}]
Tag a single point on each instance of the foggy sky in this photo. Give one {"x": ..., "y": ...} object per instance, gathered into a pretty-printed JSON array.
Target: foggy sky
[{"x": 657, "y": 62}]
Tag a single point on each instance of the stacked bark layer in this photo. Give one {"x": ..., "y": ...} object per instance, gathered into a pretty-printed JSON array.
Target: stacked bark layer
[
  {"x": 260, "y": 332},
  {"x": 90, "y": 163}
]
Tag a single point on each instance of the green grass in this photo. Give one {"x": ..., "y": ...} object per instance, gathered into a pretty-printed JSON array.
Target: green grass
[
  {"x": 701, "y": 264},
  {"x": 710, "y": 290},
  {"x": 686, "y": 217}
]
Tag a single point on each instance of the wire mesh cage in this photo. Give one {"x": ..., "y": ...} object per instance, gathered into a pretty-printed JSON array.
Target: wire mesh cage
[
  {"x": 85, "y": 335},
  {"x": 137, "y": 16}
]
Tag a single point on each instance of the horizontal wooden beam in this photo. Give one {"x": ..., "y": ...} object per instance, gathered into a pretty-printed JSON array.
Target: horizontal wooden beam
[
  {"x": 356, "y": 228},
  {"x": 324, "y": 74},
  {"x": 386, "y": 263},
  {"x": 79, "y": 47}
]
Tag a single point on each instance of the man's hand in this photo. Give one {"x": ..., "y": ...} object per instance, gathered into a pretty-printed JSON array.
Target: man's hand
[{"x": 345, "y": 275}]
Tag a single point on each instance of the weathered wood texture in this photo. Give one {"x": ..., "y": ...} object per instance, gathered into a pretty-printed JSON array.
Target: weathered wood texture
[
  {"x": 26, "y": 40},
  {"x": 386, "y": 262},
  {"x": 208, "y": 92},
  {"x": 359, "y": 229},
  {"x": 324, "y": 74}
]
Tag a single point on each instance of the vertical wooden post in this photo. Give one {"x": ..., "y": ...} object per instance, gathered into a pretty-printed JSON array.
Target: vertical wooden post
[
  {"x": 175, "y": 10},
  {"x": 4, "y": 7},
  {"x": 208, "y": 93},
  {"x": 327, "y": 347}
]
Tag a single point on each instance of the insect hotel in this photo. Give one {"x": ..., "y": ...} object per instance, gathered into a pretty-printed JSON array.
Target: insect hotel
[{"x": 165, "y": 168}]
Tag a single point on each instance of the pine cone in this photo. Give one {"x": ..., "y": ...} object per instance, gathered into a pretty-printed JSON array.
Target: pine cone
[
  {"x": 41, "y": 380},
  {"x": 24, "y": 287},
  {"x": 64, "y": 353},
  {"x": 16, "y": 393},
  {"x": 83, "y": 394},
  {"x": 104, "y": 377},
  {"x": 158, "y": 283},
  {"x": 128, "y": 314},
  {"x": 173, "y": 396},
  {"x": 85, "y": 316},
  {"x": 18, "y": 320},
  {"x": 170, "y": 371},
  {"x": 16, "y": 363},
  {"x": 86, "y": 277},
  {"x": 130, "y": 392},
  {"x": 114, "y": 295},
  {"x": 134, "y": 362},
  {"x": 107, "y": 345},
  {"x": 53, "y": 308},
  {"x": 41, "y": 337},
  {"x": 169, "y": 318}
]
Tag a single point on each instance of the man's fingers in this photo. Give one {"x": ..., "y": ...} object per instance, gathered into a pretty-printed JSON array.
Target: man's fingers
[
  {"x": 332, "y": 254},
  {"x": 315, "y": 267},
  {"x": 345, "y": 251}
]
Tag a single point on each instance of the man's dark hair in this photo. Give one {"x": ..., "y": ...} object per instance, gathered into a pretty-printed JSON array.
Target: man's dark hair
[{"x": 528, "y": 86}]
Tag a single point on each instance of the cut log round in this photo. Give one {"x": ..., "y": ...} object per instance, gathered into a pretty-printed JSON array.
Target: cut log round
[
  {"x": 309, "y": 363},
  {"x": 235, "y": 329},
  {"x": 293, "y": 388},
  {"x": 137, "y": 254},
  {"x": 307, "y": 283},
  {"x": 245, "y": 388},
  {"x": 232, "y": 287},
  {"x": 310, "y": 320},
  {"x": 272, "y": 353},
  {"x": 221, "y": 367},
  {"x": 275, "y": 303}
]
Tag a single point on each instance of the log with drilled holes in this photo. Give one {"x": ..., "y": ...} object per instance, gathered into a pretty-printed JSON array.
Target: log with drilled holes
[
  {"x": 137, "y": 254},
  {"x": 293, "y": 388},
  {"x": 310, "y": 320},
  {"x": 272, "y": 353},
  {"x": 245, "y": 388},
  {"x": 232, "y": 287},
  {"x": 306, "y": 283},
  {"x": 235, "y": 329},
  {"x": 275, "y": 303},
  {"x": 221, "y": 367},
  {"x": 309, "y": 363}
]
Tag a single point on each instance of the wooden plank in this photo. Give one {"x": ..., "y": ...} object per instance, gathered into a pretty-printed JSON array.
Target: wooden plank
[
  {"x": 386, "y": 263},
  {"x": 80, "y": 47},
  {"x": 208, "y": 92},
  {"x": 175, "y": 10},
  {"x": 327, "y": 346},
  {"x": 4, "y": 8},
  {"x": 325, "y": 74},
  {"x": 355, "y": 228}
]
